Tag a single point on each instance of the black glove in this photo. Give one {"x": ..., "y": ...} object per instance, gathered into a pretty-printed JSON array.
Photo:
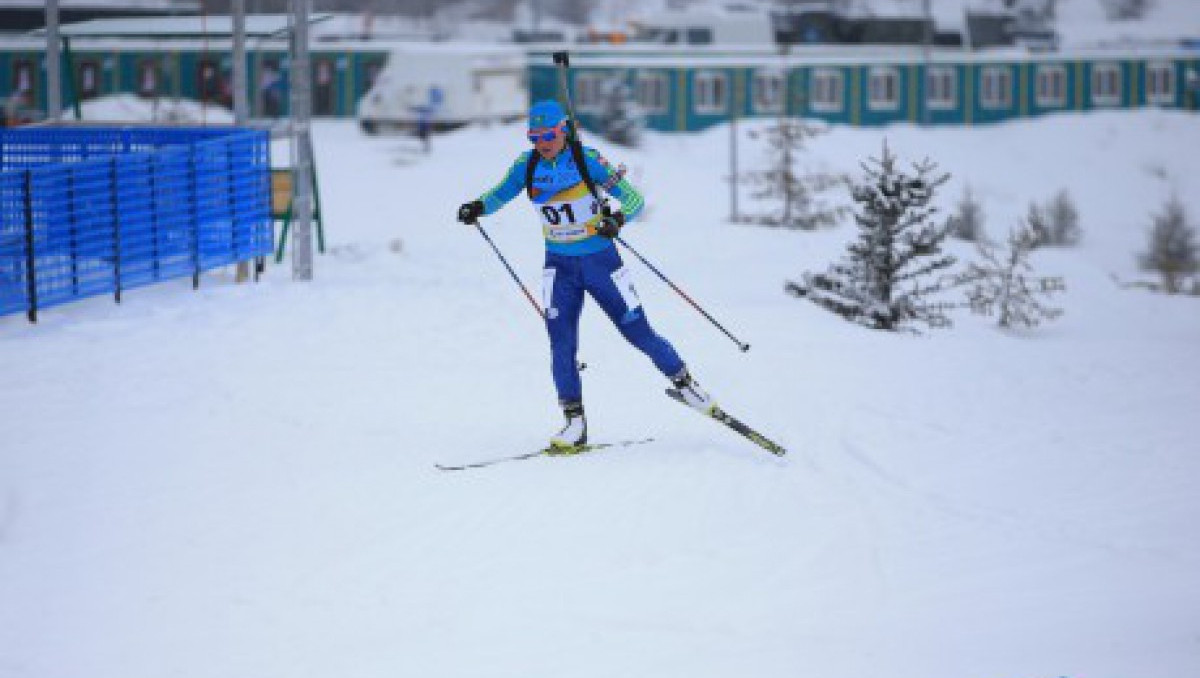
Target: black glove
[
  {"x": 611, "y": 223},
  {"x": 470, "y": 212}
]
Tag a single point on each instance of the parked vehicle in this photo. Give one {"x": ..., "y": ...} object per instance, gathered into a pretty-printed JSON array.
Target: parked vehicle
[{"x": 444, "y": 87}]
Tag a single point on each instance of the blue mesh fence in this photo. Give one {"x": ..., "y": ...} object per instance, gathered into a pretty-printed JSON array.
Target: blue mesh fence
[{"x": 90, "y": 211}]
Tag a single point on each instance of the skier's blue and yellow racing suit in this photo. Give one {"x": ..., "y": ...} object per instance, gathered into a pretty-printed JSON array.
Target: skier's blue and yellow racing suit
[{"x": 579, "y": 260}]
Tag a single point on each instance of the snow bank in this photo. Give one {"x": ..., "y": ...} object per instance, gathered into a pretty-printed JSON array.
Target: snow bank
[{"x": 132, "y": 108}]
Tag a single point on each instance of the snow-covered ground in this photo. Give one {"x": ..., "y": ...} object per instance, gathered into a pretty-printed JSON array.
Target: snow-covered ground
[
  {"x": 240, "y": 481},
  {"x": 132, "y": 108}
]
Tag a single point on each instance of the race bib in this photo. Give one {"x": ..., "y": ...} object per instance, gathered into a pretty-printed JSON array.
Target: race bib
[{"x": 570, "y": 220}]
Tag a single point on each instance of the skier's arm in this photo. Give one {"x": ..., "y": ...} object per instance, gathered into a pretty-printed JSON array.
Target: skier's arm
[
  {"x": 603, "y": 174},
  {"x": 508, "y": 188}
]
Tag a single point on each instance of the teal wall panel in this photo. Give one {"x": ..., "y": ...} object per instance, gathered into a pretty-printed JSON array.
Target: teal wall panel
[{"x": 980, "y": 94}]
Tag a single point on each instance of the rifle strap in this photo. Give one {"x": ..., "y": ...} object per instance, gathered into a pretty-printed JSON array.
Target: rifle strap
[{"x": 580, "y": 163}]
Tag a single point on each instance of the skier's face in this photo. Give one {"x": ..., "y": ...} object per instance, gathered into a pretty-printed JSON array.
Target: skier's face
[{"x": 549, "y": 141}]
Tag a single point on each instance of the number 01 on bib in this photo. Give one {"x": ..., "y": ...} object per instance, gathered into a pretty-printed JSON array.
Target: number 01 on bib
[{"x": 568, "y": 221}]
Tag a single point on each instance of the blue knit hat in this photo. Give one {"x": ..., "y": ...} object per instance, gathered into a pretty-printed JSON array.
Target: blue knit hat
[{"x": 545, "y": 114}]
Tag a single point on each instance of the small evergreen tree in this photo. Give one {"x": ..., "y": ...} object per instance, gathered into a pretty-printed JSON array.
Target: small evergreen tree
[
  {"x": 967, "y": 221},
  {"x": 1001, "y": 284},
  {"x": 1054, "y": 223},
  {"x": 1172, "y": 249},
  {"x": 621, "y": 120},
  {"x": 881, "y": 283},
  {"x": 1037, "y": 224},
  {"x": 799, "y": 197},
  {"x": 1062, "y": 221}
]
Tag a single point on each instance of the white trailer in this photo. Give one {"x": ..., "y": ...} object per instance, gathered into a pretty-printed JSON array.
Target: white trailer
[{"x": 445, "y": 86}]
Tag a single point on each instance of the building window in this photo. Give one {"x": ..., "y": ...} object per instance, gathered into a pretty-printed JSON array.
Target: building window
[
  {"x": 941, "y": 88},
  {"x": 712, "y": 92},
  {"x": 1051, "y": 86},
  {"x": 589, "y": 92},
  {"x": 23, "y": 81},
  {"x": 147, "y": 78},
  {"x": 324, "y": 92},
  {"x": 826, "y": 90},
  {"x": 371, "y": 71},
  {"x": 1106, "y": 84},
  {"x": 767, "y": 91},
  {"x": 652, "y": 92},
  {"x": 89, "y": 79},
  {"x": 995, "y": 90},
  {"x": 883, "y": 89},
  {"x": 1160, "y": 83},
  {"x": 209, "y": 83},
  {"x": 272, "y": 89}
]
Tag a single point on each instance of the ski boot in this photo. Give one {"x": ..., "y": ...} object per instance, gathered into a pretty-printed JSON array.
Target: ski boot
[
  {"x": 573, "y": 436},
  {"x": 692, "y": 394}
]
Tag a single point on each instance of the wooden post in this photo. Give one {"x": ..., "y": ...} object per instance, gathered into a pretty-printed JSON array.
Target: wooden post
[{"x": 53, "y": 63}]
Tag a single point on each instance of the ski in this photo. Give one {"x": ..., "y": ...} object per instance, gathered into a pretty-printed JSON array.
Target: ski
[
  {"x": 733, "y": 423},
  {"x": 545, "y": 451}
]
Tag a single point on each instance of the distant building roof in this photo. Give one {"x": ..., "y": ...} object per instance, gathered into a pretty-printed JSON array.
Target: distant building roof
[
  {"x": 217, "y": 26},
  {"x": 19, "y": 16},
  {"x": 111, "y": 5}
]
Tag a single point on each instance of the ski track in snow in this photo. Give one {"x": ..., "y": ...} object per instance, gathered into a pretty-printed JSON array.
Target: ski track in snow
[{"x": 1040, "y": 526}]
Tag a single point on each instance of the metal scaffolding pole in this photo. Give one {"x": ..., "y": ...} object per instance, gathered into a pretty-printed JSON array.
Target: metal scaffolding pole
[
  {"x": 53, "y": 63},
  {"x": 927, "y": 39},
  {"x": 301, "y": 84},
  {"x": 241, "y": 110}
]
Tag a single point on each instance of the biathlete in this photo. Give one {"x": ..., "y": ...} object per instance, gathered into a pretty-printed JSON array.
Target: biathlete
[{"x": 581, "y": 257}]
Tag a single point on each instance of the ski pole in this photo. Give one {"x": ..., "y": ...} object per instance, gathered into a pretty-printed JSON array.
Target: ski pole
[
  {"x": 537, "y": 309},
  {"x": 743, "y": 346}
]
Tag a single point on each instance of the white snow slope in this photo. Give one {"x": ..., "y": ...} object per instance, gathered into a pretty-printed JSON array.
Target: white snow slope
[{"x": 240, "y": 482}]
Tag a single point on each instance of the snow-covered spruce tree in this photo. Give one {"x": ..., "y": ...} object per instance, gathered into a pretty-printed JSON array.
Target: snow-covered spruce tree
[
  {"x": 1003, "y": 284},
  {"x": 967, "y": 221},
  {"x": 621, "y": 120},
  {"x": 1062, "y": 221},
  {"x": 1172, "y": 250},
  {"x": 883, "y": 281},
  {"x": 790, "y": 198},
  {"x": 1037, "y": 224}
]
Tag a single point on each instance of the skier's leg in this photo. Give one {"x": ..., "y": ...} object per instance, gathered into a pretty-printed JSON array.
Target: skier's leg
[
  {"x": 609, "y": 283},
  {"x": 562, "y": 298}
]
